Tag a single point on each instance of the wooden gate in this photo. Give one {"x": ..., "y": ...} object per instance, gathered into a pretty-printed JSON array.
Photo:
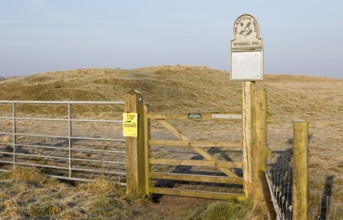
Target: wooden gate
[
  {"x": 140, "y": 160},
  {"x": 202, "y": 148}
]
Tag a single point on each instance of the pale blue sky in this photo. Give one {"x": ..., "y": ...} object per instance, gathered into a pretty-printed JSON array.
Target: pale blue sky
[{"x": 300, "y": 37}]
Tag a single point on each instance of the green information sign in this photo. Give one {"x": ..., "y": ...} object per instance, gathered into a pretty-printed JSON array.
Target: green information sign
[{"x": 194, "y": 116}]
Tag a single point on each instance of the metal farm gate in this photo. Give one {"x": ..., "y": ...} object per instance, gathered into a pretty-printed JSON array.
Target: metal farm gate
[{"x": 73, "y": 140}]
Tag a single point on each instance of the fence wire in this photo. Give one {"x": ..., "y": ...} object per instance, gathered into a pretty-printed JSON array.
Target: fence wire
[
  {"x": 279, "y": 176},
  {"x": 328, "y": 208}
]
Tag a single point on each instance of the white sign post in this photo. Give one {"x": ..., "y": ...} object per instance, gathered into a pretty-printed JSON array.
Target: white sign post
[{"x": 247, "y": 66}]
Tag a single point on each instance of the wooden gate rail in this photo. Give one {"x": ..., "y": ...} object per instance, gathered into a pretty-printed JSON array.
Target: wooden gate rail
[
  {"x": 198, "y": 194},
  {"x": 200, "y": 163},
  {"x": 204, "y": 116},
  {"x": 196, "y": 178},
  {"x": 186, "y": 143}
]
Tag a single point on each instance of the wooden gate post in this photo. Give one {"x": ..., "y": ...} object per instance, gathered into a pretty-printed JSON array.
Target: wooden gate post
[
  {"x": 259, "y": 142},
  {"x": 248, "y": 89},
  {"x": 259, "y": 154},
  {"x": 300, "y": 170},
  {"x": 135, "y": 155}
]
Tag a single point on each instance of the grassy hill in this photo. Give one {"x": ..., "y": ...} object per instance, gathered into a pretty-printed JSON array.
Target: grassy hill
[
  {"x": 182, "y": 89},
  {"x": 169, "y": 88},
  {"x": 199, "y": 89},
  {"x": 164, "y": 88}
]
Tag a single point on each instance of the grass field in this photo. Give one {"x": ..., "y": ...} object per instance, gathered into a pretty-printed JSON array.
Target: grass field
[{"x": 183, "y": 89}]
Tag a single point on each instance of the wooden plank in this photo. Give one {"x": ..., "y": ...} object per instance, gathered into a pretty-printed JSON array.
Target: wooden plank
[
  {"x": 226, "y": 116},
  {"x": 175, "y": 143},
  {"x": 196, "y": 194},
  {"x": 196, "y": 178},
  {"x": 237, "y": 115},
  {"x": 201, "y": 163},
  {"x": 200, "y": 151}
]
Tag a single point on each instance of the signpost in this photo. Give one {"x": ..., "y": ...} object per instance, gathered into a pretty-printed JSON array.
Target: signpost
[
  {"x": 246, "y": 50},
  {"x": 247, "y": 66}
]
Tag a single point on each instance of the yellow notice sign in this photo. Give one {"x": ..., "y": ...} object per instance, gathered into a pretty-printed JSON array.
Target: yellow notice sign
[{"x": 130, "y": 124}]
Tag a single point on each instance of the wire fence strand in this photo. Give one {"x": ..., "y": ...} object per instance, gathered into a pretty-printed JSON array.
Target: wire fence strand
[{"x": 279, "y": 176}]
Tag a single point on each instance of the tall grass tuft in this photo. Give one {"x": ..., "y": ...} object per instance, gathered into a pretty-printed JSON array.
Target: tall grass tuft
[
  {"x": 101, "y": 185},
  {"x": 231, "y": 209},
  {"x": 29, "y": 175}
]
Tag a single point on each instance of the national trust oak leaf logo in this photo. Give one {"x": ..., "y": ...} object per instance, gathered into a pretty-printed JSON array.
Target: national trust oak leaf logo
[{"x": 246, "y": 29}]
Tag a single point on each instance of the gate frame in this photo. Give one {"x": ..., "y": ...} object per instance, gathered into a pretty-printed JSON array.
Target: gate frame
[
  {"x": 255, "y": 149},
  {"x": 69, "y": 137},
  {"x": 209, "y": 161}
]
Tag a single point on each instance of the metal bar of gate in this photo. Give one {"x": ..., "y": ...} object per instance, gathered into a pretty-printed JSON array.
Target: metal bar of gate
[
  {"x": 14, "y": 124},
  {"x": 67, "y": 137},
  {"x": 64, "y": 102},
  {"x": 70, "y": 134},
  {"x": 62, "y": 119},
  {"x": 66, "y": 149},
  {"x": 62, "y": 158},
  {"x": 66, "y": 168}
]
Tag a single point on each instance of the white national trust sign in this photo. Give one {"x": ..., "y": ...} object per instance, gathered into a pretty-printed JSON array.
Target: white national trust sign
[{"x": 246, "y": 50}]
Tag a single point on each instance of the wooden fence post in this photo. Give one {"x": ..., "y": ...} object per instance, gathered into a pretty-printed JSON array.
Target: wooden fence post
[
  {"x": 135, "y": 155},
  {"x": 259, "y": 154},
  {"x": 300, "y": 170},
  {"x": 248, "y": 88},
  {"x": 259, "y": 140},
  {"x": 260, "y": 129}
]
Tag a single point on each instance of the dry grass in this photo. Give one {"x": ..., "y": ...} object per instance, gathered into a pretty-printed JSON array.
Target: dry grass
[
  {"x": 26, "y": 193},
  {"x": 195, "y": 89}
]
